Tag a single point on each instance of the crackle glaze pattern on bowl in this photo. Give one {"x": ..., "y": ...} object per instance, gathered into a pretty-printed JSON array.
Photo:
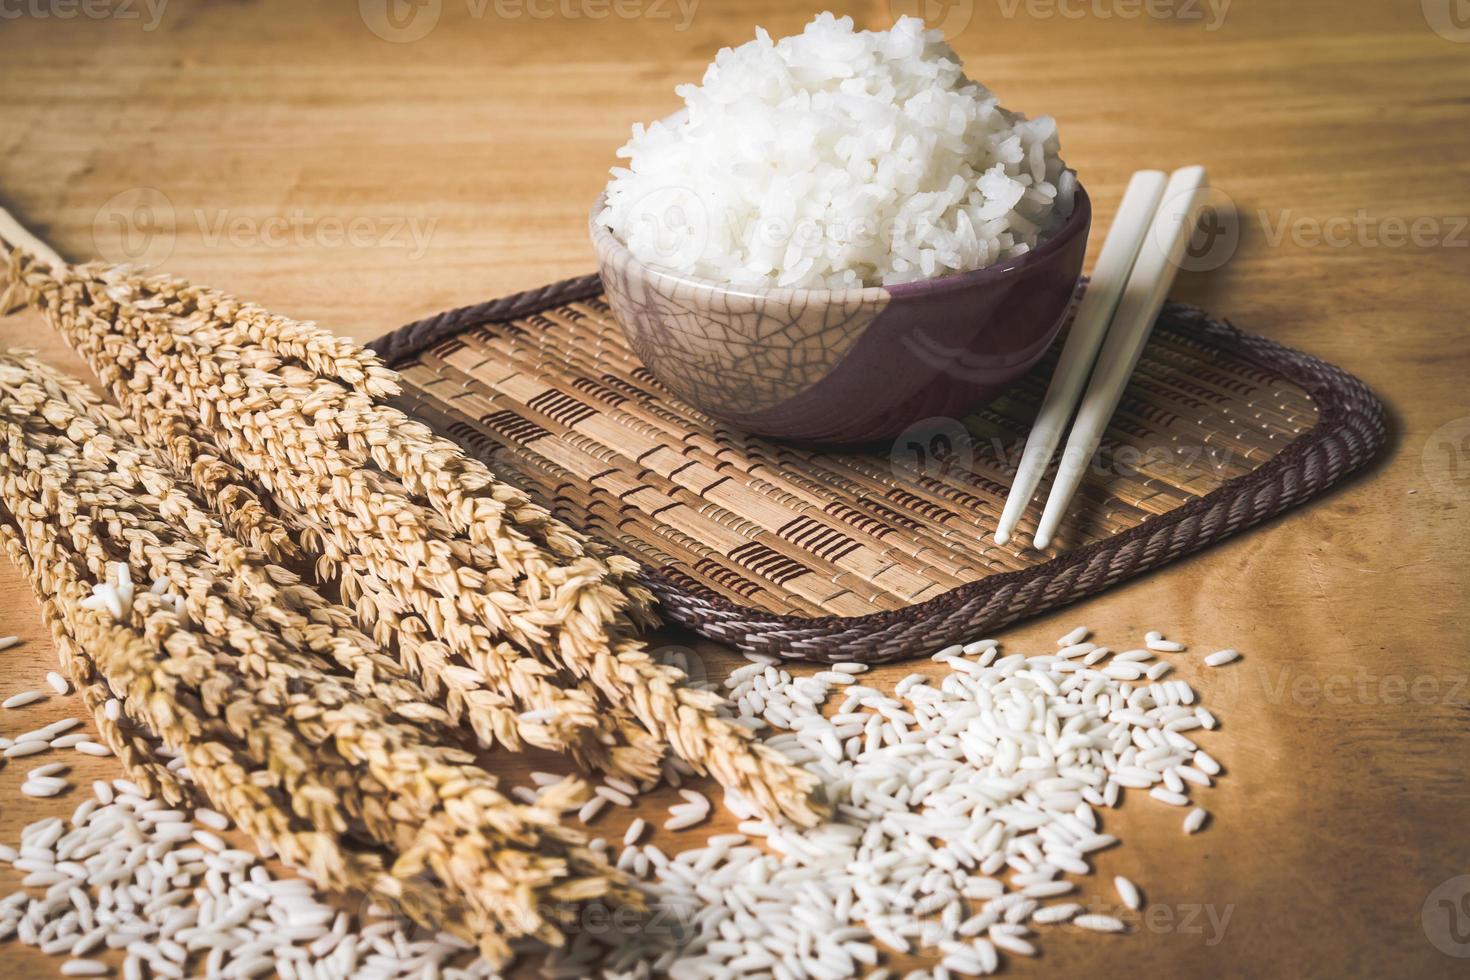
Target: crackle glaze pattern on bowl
[{"x": 846, "y": 365}]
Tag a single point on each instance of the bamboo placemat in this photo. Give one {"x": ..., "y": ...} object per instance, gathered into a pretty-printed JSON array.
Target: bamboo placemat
[{"x": 885, "y": 552}]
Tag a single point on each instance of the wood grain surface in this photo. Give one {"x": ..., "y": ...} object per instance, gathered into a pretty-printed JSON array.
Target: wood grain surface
[{"x": 287, "y": 153}]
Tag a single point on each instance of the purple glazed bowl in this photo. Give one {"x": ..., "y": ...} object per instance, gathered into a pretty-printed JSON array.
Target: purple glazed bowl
[{"x": 844, "y": 366}]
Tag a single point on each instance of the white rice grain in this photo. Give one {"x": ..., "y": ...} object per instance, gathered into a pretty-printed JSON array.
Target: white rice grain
[
  {"x": 1128, "y": 892},
  {"x": 808, "y": 153},
  {"x": 1098, "y": 922}
]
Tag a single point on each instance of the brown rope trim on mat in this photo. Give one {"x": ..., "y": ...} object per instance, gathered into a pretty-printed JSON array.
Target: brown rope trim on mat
[
  {"x": 1349, "y": 432},
  {"x": 408, "y": 340}
]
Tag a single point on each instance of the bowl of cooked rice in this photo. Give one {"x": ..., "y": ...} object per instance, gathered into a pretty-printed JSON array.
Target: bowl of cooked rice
[{"x": 839, "y": 235}]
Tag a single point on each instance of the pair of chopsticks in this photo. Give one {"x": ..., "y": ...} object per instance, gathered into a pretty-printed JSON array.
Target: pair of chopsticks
[{"x": 1129, "y": 283}]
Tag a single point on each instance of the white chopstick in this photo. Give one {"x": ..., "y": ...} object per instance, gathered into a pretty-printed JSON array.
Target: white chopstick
[
  {"x": 1109, "y": 274},
  {"x": 1143, "y": 297}
]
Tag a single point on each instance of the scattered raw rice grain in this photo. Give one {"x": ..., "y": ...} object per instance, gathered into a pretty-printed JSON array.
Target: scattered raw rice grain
[
  {"x": 211, "y": 819},
  {"x": 1055, "y": 913},
  {"x": 89, "y": 747},
  {"x": 1076, "y": 636},
  {"x": 1098, "y": 922},
  {"x": 1195, "y": 820},
  {"x": 1166, "y": 796},
  {"x": 614, "y": 796},
  {"x": 57, "y": 727},
  {"x": 44, "y": 786},
  {"x": 1012, "y": 944},
  {"x": 20, "y": 749},
  {"x": 1221, "y": 657},
  {"x": 1128, "y": 892},
  {"x": 58, "y": 683},
  {"x": 21, "y": 699}
]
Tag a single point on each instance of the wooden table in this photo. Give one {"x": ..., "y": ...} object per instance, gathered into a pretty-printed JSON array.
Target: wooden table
[{"x": 289, "y": 154}]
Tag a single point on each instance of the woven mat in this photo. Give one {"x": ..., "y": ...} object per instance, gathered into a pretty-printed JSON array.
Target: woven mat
[{"x": 883, "y": 553}]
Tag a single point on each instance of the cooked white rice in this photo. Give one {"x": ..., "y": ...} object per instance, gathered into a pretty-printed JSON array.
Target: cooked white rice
[{"x": 838, "y": 158}]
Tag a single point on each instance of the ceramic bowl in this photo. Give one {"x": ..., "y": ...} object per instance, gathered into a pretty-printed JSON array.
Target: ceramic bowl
[{"x": 844, "y": 366}]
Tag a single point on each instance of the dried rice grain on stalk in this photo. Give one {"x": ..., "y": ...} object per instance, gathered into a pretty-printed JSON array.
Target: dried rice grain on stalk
[
  {"x": 424, "y": 530},
  {"x": 489, "y": 688},
  {"x": 294, "y": 724}
]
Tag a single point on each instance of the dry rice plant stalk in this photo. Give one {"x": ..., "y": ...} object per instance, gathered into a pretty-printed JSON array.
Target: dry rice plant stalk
[
  {"x": 190, "y": 453},
  {"x": 479, "y": 497},
  {"x": 491, "y": 690},
  {"x": 309, "y": 439},
  {"x": 219, "y": 483},
  {"x": 135, "y": 748},
  {"x": 252, "y": 677}
]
